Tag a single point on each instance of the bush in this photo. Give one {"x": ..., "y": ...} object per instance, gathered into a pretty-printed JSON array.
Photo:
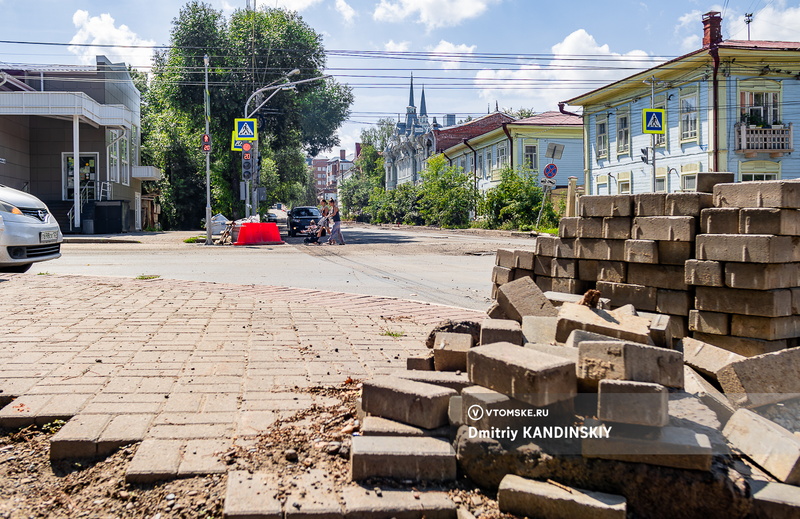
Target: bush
[{"x": 516, "y": 201}]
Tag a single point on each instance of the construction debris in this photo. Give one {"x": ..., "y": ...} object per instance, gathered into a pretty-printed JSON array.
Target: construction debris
[{"x": 599, "y": 367}]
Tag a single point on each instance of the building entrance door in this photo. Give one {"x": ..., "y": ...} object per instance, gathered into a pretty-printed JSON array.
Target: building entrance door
[{"x": 89, "y": 171}]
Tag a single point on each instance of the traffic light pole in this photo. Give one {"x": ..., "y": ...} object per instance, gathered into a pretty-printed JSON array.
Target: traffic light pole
[
  {"x": 653, "y": 136},
  {"x": 209, "y": 240}
]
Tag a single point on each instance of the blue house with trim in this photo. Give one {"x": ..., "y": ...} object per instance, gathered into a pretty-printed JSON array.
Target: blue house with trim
[{"x": 728, "y": 107}]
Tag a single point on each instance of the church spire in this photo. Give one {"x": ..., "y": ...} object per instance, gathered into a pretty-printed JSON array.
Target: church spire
[{"x": 423, "y": 111}]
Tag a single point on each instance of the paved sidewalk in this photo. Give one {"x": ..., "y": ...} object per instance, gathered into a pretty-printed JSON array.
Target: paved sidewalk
[{"x": 185, "y": 367}]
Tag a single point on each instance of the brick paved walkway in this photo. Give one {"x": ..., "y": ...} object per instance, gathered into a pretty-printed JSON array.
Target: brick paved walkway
[{"x": 185, "y": 366}]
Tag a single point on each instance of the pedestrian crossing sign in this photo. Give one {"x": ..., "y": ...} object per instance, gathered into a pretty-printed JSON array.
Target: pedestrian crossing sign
[
  {"x": 654, "y": 120},
  {"x": 246, "y": 129}
]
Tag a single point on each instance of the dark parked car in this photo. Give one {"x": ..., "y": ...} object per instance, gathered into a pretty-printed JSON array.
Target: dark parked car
[{"x": 301, "y": 217}]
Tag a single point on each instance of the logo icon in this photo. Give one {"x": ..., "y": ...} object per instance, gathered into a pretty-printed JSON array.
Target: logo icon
[{"x": 475, "y": 412}]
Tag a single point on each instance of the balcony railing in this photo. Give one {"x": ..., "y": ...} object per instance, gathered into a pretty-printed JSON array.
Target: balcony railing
[{"x": 776, "y": 141}]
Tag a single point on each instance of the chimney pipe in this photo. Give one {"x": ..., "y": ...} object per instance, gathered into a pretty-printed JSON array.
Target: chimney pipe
[
  {"x": 712, "y": 29},
  {"x": 342, "y": 154}
]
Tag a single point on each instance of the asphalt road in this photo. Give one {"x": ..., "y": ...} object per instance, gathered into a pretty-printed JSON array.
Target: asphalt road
[{"x": 442, "y": 267}]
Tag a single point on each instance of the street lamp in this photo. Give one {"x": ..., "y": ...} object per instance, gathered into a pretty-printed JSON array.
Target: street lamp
[
  {"x": 247, "y": 115},
  {"x": 206, "y": 99}
]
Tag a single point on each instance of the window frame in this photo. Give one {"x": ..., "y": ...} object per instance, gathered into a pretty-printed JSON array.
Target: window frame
[
  {"x": 601, "y": 145},
  {"x": 532, "y": 164},
  {"x": 623, "y": 132},
  {"x": 660, "y": 103},
  {"x": 691, "y": 117},
  {"x": 771, "y": 102}
]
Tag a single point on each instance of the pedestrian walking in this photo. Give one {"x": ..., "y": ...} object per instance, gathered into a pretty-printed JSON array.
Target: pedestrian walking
[
  {"x": 336, "y": 230},
  {"x": 325, "y": 211}
]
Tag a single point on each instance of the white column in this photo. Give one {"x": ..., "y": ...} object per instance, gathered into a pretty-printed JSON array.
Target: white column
[{"x": 76, "y": 173}]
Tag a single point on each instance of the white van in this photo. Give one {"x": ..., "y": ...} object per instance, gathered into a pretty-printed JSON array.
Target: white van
[{"x": 28, "y": 232}]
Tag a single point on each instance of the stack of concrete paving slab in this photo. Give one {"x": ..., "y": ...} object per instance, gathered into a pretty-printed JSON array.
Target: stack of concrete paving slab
[{"x": 747, "y": 273}]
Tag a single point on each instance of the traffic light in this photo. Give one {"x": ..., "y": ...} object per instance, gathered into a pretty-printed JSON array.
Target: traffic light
[
  {"x": 247, "y": 160},
  {"x": 645, "y": 155},
  {"x": 205, "y": 143}
]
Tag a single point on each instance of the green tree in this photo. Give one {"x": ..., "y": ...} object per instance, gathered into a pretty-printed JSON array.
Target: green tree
[
  {"x": 246, "y": 52},
  {"x": 367, "y": 176},
  {"x": 378, "y": 136},
  {"x": 515, "y": 202},
  {"x": 521, "y": 113},
  {"x": 447, "y": 194}
]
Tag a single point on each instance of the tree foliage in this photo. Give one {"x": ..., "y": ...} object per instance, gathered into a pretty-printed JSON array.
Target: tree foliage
[
  {"x": 447, "y": 194},
  {"x": 250, "y": 50},
  {"x": 515, "y": 202}
]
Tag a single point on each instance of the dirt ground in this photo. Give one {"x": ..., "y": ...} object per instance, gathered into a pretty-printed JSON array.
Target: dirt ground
[{"x": 32, "y": 486}]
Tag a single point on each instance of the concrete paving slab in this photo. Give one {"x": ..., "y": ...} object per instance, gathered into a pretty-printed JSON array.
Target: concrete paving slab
[{"x": 183, "y": 363}]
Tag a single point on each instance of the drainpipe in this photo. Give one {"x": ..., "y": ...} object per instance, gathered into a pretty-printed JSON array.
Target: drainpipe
[
  {"x": 474, "y": 173},
  {"x": 586, "y": 148},
  {"x": 561, "y": 109},
  {"x": 714, "y": 52},
  {"x": 510, "y": 145}
]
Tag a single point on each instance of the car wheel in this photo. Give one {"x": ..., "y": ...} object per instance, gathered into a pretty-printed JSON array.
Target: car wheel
[
  {"x": 292, "y": 234},
  {"x": 25, "y": 267}
]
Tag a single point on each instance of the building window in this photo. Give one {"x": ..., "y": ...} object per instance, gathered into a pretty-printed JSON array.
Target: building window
[
  {"x": 135, "y": 145},
  {"x": 601, "y": 139},
  {"x": 601, "y": 184},
  {"x": 689, "y": 182},
  {"x": 689, "y": 115},
  {"x": 113, "y": 156},
  {"x": 623, "y": 131},
  {"x": 760, "y": 108},
  {"x": 124, "y": 161},
  {"x": 488, "y": 164},
  {"x": 661, "y": 180},
  {"x": 501, "y": 155},
  {"x": 530, "y": 157},
  {"x": 757, "y": 177},
  {"x": 624, "y": 187},
  {"x": 661, "y": 104},
  {"x": 479, "y": 166}
]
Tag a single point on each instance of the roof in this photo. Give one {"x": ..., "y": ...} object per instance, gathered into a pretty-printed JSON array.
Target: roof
[
  {"x": 752, "y": 45},
  {"x": 760, "y": 44},
  {"x": 551, "y": 119}
]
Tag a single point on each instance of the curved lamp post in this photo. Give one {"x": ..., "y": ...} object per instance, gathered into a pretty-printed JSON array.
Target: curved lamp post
[{"x": 248, "y": 114}]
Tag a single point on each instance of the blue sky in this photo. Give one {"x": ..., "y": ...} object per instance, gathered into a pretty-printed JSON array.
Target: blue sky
[{"x": 470, "y": 55}]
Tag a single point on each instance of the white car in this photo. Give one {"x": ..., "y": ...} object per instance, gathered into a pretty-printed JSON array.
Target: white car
[{"x": 28, "y": 232}]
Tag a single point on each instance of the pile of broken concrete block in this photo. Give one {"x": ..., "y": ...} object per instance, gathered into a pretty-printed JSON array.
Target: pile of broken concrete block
[{"x": 570, "y": 408}]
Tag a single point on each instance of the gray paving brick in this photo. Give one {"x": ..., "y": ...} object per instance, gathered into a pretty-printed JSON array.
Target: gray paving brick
[
  {"x": 416, "y": 458},
  {"x": 362, "y": 503},
  {"x": 252, "y": 496},
  {"x": 202, "y": 457},
  {"x": 78, "y": 438},
  {"x": 155, "y": 460}
]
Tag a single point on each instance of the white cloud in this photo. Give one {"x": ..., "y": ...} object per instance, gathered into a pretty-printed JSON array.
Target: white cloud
[
  {"x": 775, "y": 22},
  {"x": 542, "y": 85},
  {"x": 101, "y": 30},
  {"x": 294, "y": 5},
  {"x": 347, "y": 12},
  {"x": 228, "y": 8},
  {"x": 431, "y": 13},
  {"x": 448, "y": 49},
  {"x": 400, "y": 46}
]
